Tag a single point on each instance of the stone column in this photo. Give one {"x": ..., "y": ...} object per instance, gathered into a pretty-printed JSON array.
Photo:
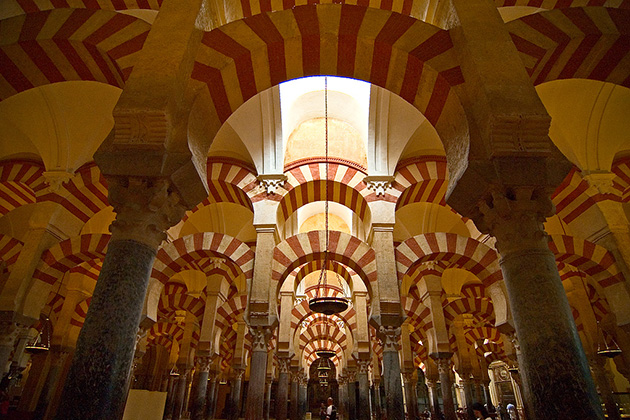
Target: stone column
[
  {"x": 377, "y": 399},
  {"x": 548, "y": 337},
  {"x": 434, "y": 400},
  {"x": 342, "y": 404},
  {"x": 257, "y": 373},
  {"x": 469, "y": 399},
  {"x": 267, "y": 408},
  {"x": 211, "y": 402},
  {"x": 58, "y": 357},
  {"x": 284, "y": 363},
  {"x": 200, "y": 388},
  {"x": 363, "y": 405},
  {"x": 96, "y": 383},
  {"x": 170, "y": 396},
  {"x": 179, "y": 394},
  {"x": 34, "y": 383},
  {"x": 303, "y": 396},
  {"x": 444, "y": 367},
  {"x": 9, "y": 332},
  {"x": 295, "y": 378},
  {"x": 352, "y": 394},
  {"x": 391, "y": 374},
  {"x": 598, "y": 367},
  {"x": 235, "y": 395},
  {"x": 410, "y": 395}
]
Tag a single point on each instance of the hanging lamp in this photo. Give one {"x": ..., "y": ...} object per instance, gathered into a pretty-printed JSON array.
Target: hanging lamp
[
  {"x": 606, "y": 348},
  {"x": 321, "y": 303},
  {"x": 41, "y": 342}
]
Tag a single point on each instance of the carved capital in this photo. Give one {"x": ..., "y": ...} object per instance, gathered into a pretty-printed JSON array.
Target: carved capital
[
  {"x": 56, "y": 179},
  {"x": 203, "y": 363},
  {"x": 603, "y": 183},
  {"x": 145, "y": 208},
  {"x": 363, "y": 366},
  {"x": 444, "y": 365},
  {"x": 351, "y": 375},
  {"x": 260, "y": 337},
  {"x": 238, "y": 373},
  {"x": 407, "y": 378},
  {"x": 271, "y": 182},
  {"x": 515, "y": 218},
  {"x": 284, "y": 364},
  {"x": 390, "y": 337},
  {"x": 379, "y": 183},
  {"x": 342, "y": 380}
]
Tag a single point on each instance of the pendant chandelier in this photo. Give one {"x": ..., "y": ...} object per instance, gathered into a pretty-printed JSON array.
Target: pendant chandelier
[
  {"x": 321, "y": 303},
  {"x": 41, "y": 342},
  {"x": 607, "y": 348},
  {"x": 324, "y": 367}
]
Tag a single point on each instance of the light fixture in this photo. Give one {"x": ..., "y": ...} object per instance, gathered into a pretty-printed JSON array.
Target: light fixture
[
  {"x": 607, "y": 348},
  {"x": 321, "y": 303},
  {"x": 174, "y": 371},
  {"x": 41, "y": 342}
]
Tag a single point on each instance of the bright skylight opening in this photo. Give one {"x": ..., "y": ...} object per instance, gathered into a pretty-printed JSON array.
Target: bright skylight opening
[{"x": 303, "y": 99}]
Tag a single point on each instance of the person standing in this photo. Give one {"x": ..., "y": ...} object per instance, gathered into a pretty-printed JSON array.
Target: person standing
[
  {"x": 480, "y": 411},
  {"x": 331, "y": 410}
]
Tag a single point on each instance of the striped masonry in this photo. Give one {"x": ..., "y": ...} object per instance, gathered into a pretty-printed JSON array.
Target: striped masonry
[{"x": 32, "y": 6}]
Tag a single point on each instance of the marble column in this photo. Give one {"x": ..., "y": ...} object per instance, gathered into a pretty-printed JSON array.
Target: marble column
[
  {"x": 391, "y": 374},
  {"x": 267, "y": 409},
  {"x": 211, "y": 394},
  {"x": 377, "y": 399},
  {"x": 170, "y": 396},
  {"x": 342, "y": 404},
  {"x": 179, "y": 394},
  {"x": 95, "y": 388},
  {"x": 410, "y": 395},
  {"x": 444, "y": 367},
  {"x": 598, "y": 367},
  {"x": 434, "y": 400},
  {"x": 201, "y": 388},
  {"x": 32, "y": 389},
  {"x": 284, "y": 364},
  {"x": 303, "y": 396},
  {"x": 9, "y": 332},
  {"x": 57, "y": 359},
  {"x": 363, "y": 404},
  {"x": 554, "y": 368},
  {"x": 295, "y": 379},
  {"x": 352, "y": 394},
  {"x": 258, "y": 373},
  {"x": 235, "y": 394},
  {"x": 467, "y": 385}
]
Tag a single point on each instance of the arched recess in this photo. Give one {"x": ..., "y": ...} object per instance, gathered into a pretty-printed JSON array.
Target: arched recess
[
  {"x": 19, "y": 183},
  {"x": 231, "y": 181},
  {"x": 422, "y": 180},
  {"x": 457, "y": 251},
  {"x": 68, "y": 44},
  {"x": 293, "y": 280},
  {"x": 410, "y": 58},
  {"x": 481, "y": 309},
  {"x": 310, "y": 246},
  {"x": 585, "y": 42},
  {"x": 173, "y": 257},
  {"x": 175, "y": 297},
  {"x": 58, "y": 260}
]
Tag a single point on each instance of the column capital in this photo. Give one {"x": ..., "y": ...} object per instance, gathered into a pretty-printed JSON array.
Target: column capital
[
  {"x": 407, "y": 377},
  {"x": 515, "y": 217},
  {"x": 443, "y": 361},
  {"x": 145, "y": 208},
  {"x": 390, "y": 336},
  {"x": 342, "y": 379},
  {"x": 351, "y": 375},
  {"x": 238, "y": 372},
  {"x": 363, "y": 366},
  {"x": 261, "y": 335},
  {"x": 284, "y": 364},
  {"x": 203, "y": 363}
]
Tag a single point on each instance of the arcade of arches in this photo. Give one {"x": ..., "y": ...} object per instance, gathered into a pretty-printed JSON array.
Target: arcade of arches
[{"x": 162, "y": 207}]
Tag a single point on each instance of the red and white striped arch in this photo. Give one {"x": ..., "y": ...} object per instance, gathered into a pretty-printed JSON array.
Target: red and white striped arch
[
  {"x": 229, "y": 311},
  {"x": 314, "y": 266},
  {"x": 68, "y": 44},
  {"x": 80, "y": 312},
  {"x": 168, "y": 329},
  {"x": 65, "y": 255},
  {"x": 458, "y": 251},
  {"x": 481, "y": 309},
  {"x": 175, "y": 297},
  {"x": 496, "y": 350},
  {"x": 323, "y": 330},
  {"x": 421, "y": 180},
  {"x": 307, "y": 184},
  {"x": 32, "y": 6},
  {"x": 563, "y": 4},
  {"x": 408, "y": 57},
  {"x": 592, "y": 259},
  {"x": 19, "y": 183},
  {"x": 487, "y": 332},
  {"x": 309, "y": 353},
  {"x": 175, "y": 256},
  {"x": 599, "y": 305},
  {"x": 310, "y": 246},
  {"x": 160, "y": 340},
  {"x": 229, "y": 181},
  {"x": 585, "y": 43},
  {"x": 621, "y": 168},
  {"x": 90, "y": 269},
  {"x": 84, "y": 195},
  {"x": 53, "y": 306},
  {"x": 9, "y": 249},
  {"x": 473, "y": 291}
]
